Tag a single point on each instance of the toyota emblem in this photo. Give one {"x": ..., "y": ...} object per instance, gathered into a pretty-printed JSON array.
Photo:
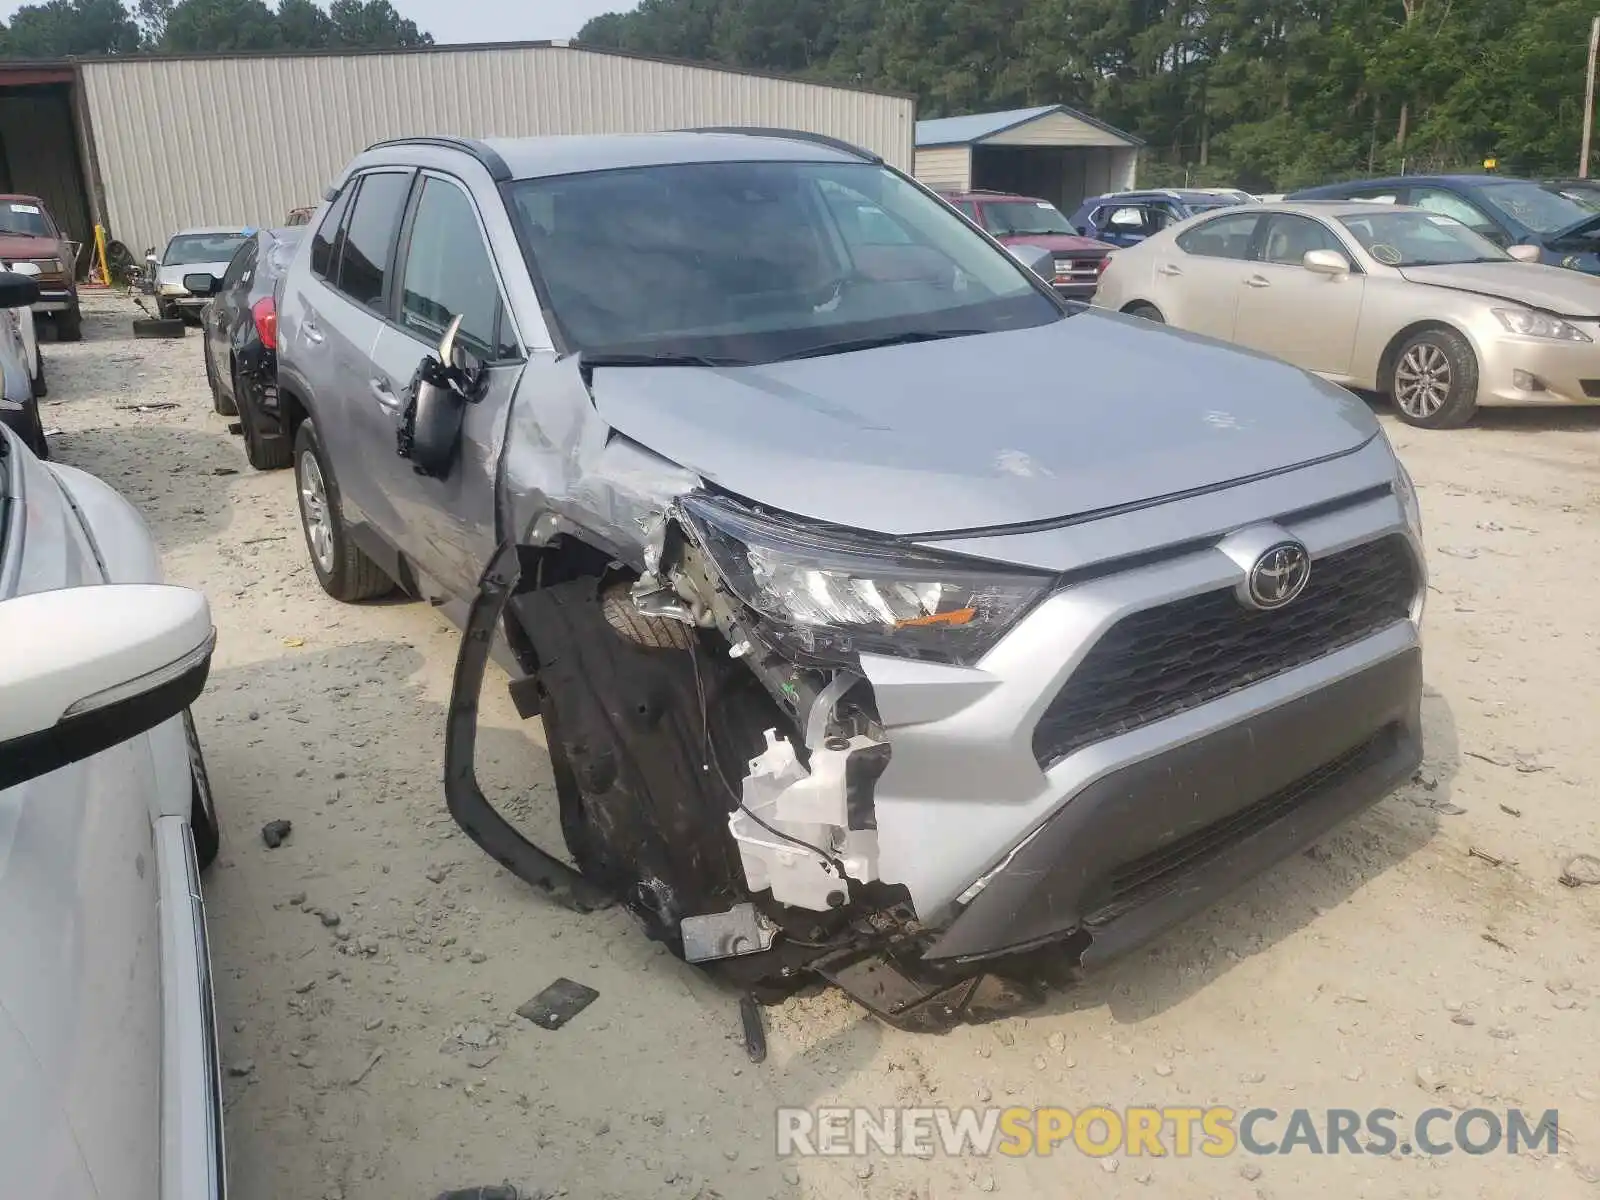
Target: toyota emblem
[{"x": 1278, "y": 576}]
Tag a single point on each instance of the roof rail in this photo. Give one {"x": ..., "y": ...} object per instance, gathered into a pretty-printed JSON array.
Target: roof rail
[
  {"x": 492, "y": 162},
  {"x": 793, "y": 135}
]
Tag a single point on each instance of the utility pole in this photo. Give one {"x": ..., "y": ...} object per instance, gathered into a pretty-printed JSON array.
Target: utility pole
[{"x": 1588, "y": 99}]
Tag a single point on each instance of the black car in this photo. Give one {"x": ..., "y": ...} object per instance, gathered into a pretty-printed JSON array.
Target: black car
[{"x": 241, "y": 345}]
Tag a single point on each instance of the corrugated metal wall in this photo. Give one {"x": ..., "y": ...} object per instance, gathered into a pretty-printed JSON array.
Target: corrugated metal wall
[
  {"x": 945, "y": 168},
  {"x": 185, "y": 142}
]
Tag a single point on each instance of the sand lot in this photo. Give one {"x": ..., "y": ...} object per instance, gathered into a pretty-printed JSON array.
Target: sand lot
[{"x": 380, "y": 1057}]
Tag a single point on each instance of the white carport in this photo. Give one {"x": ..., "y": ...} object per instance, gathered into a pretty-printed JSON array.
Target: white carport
[{"x": 1055, "y": 153}]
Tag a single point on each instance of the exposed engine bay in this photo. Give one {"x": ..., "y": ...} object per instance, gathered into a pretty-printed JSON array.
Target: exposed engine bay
[{"x": 716, "y": 771}]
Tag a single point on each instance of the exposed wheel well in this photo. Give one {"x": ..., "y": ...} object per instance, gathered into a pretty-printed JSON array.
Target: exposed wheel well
[
  {"x": 293, "y": 409},
  {"x": 1391, "y": 352},
  {"x": 564, "y": 560},
  {"x": 1133, "y": 306}
]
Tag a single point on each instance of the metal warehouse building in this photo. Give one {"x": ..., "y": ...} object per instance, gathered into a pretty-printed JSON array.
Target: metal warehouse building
[
  {"x": 149, "y": 145},
  {"x": 1053, "y": 152}
]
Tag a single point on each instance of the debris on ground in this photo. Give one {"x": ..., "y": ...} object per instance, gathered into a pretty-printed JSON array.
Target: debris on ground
[
  {"x": 146, "y": 408},
  {"x": 558, "y": 1003},
  {"x": 755, "y": 1033},
  {"x": 1493, "y": 860},
  {"x": 275, "y": 833},
  {"x": 503, "y": 1191},
  {"x": 1581, "y": 870}
]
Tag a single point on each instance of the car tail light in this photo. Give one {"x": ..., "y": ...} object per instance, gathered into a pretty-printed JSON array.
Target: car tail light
[{"x": 266, "y": 314}]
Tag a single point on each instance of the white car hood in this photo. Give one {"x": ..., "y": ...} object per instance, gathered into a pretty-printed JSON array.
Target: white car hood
[{"x": 1554, "y": 289}]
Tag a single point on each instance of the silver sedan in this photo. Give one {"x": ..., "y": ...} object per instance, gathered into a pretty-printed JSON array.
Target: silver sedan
[{"x": 1382, "y": 297}]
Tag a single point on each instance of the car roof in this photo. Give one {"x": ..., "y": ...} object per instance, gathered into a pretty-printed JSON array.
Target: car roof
[
  {"x": 23, "y": 197},
  {"x": 1329, "y": 208},
  {"x": 1410, "y": 180}
]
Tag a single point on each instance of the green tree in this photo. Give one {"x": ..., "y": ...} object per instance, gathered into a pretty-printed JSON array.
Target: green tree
[
  {"x": 304, "y": 26},
  {"x": 70, "y": 27},
  {"x": 210, "y": 26},
  {"x": 370, "y": 24}
]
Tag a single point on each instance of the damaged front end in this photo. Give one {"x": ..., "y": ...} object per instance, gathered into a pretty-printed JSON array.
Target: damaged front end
[{"x": 716, "y": 744}]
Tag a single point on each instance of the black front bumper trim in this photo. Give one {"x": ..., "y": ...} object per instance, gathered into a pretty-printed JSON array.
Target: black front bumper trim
[{"x": 1145, "y": 847}]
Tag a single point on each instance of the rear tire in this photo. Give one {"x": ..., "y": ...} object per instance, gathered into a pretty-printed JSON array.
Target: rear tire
[
  {"x": 222, "y": 405},
  {"x": 1146, "y": 312},
  {"x": 342, "y": 567},
  {"x": 69, "y": 325},
  {"x": 264, "y": 454},
  {"x": 1434, "y": 381},
  {"x": 203, "y": 823}
]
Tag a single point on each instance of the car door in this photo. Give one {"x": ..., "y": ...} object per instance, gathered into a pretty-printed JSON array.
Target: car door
[
  {"x": 1200, "y": 274},
  {"x": 222, "y": 314},
  {"x": 444, "y": 270},
  {"x": 340, "y": 334},
  {"x": 1301, "y": 316}
]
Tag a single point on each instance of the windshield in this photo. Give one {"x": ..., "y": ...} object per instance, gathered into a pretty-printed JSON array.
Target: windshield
[
  {"x": 1420, "y": 239},
  {"x": 1586, "y": 194},
  {"x": 755, "y": 261},
  {"x": 1007, "y": 218},
  {"x": 195, "y": 249},
  {"x": 21, "y": 219},
  {"x": 1535, "y": 206}
]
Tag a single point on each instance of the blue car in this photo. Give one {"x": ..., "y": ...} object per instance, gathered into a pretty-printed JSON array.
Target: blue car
[
  {"x": 1509, "y": 212},
  {"x": 1127, "y": 218}
]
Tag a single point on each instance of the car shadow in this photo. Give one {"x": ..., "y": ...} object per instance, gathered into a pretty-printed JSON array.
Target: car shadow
[
  {"x": 143, "y": 461},
  {"x": 1287, "y": 898},
  {"x": 329, "y": 741},
  {"x": 1533, "y": 418}
]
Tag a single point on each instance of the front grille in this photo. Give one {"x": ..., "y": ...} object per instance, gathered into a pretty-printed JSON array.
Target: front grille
[
  {"x": 1148, "y": 876},
  {"x": 1163, "y": 661},
  {"x": 1078, "y": 270}
]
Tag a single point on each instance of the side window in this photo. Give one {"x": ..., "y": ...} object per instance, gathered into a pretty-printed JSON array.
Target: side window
[
  {"x": 1221, "y": 237},
  {"x": 1448, "y": 204},
  {"x": 448, "y": 273},
  {"x": 242, "y": 266},
  {"x": 325, "y": 244},
  {"x": 1289, "y": 238},
  {"x": 370, "y": 234}
]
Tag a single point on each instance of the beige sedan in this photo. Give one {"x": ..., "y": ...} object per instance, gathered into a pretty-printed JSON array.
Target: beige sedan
[{"x": 1397, "y": 300}]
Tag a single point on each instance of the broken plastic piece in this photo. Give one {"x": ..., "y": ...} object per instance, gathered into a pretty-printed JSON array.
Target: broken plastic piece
[
  {"x": 755, "y": 1032},
  {"x": 740, "y": 930},
  {"x": 794, "y": 826},
  {"x": 558, "y": 1003}
]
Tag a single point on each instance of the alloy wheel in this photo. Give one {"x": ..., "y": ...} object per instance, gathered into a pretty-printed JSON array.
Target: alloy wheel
[
  {"x": 1422, "y": 380},
  {"x": 314, "y": 511}
]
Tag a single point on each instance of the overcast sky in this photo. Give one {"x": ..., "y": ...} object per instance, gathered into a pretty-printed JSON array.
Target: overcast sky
[{"x": 481, "y": 20}]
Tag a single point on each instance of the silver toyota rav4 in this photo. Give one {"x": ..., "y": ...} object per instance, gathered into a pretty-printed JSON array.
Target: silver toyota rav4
[{"x": 890, "y": 619}]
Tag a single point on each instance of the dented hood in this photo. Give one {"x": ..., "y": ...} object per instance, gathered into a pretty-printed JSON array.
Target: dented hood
[
  {"x": 1092, "y": 412},
  {"x": 1554, "y": 289}
]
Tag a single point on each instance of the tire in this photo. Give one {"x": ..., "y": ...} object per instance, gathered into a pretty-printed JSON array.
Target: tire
[
  {"x": 1146, "y": 312},
  {"x": 69, "y": 325},
  {"x": 343, "y": 569},
  {"x": 264, "y": 454},
  {"x": 33, "y": 434},
  {"x": 203, "y": 823},
  {"x": 1433, "y": 383},
  {"x": 160, "y": 327},
  {"x": 41, "y": 385},
  {"x": 164, "y": 310},
  {"x": 222, "y": 405}
]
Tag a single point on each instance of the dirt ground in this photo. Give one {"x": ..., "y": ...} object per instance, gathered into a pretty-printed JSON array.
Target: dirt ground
[{"x": 368, "y": 971}]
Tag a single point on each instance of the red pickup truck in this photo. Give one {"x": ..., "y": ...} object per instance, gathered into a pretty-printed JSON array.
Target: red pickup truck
[
  {"x": 28, "y": 234},
  {"x": 1024, "y": 221}
]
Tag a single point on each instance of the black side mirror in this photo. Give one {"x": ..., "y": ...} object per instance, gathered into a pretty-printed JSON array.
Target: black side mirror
[
  {"x": 17, "y": 291},
  {"x": 440, "y": 391},
  {"x": 201, "y": 283}
]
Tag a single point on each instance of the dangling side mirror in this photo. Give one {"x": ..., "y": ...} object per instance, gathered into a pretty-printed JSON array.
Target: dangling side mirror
[{"x": 440, "y": 391}]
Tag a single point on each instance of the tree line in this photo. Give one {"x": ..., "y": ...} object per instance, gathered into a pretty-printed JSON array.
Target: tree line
[
  {"x": 68, "y": 28},
  {"x": 1263, "y": 94}
]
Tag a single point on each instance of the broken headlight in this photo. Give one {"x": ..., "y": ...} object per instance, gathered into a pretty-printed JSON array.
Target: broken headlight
[{"x": 833, "y": 594}]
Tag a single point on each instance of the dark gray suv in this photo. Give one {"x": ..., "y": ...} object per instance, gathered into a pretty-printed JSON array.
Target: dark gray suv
[{"x": 889, "y": 618}]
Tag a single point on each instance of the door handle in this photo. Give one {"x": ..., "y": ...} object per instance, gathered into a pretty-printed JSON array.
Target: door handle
[
  {"x": 1168, "y": 269},
  {"x": 383, "y": 393},
  {"x": 1256, "y": 281},
  {"x": 311, "y": 333}
]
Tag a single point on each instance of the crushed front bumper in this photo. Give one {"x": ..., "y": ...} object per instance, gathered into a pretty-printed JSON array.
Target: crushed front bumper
[{"x": 1143, "y": 847}]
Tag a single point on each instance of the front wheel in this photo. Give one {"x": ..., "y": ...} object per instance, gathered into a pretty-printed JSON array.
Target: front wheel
[
  {"x": 203, "y": 824},
  {"x": 1435, "y": 380},
  {"x": 69, "y": 324},
  {"x": 33, "y": 433},
  {"x": 342, "y": 567}
]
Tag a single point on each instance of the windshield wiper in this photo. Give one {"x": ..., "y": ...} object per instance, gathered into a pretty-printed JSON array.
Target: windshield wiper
[
  {"x": 893, "y": 339},
  {"x": 588, "y": 361}
]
